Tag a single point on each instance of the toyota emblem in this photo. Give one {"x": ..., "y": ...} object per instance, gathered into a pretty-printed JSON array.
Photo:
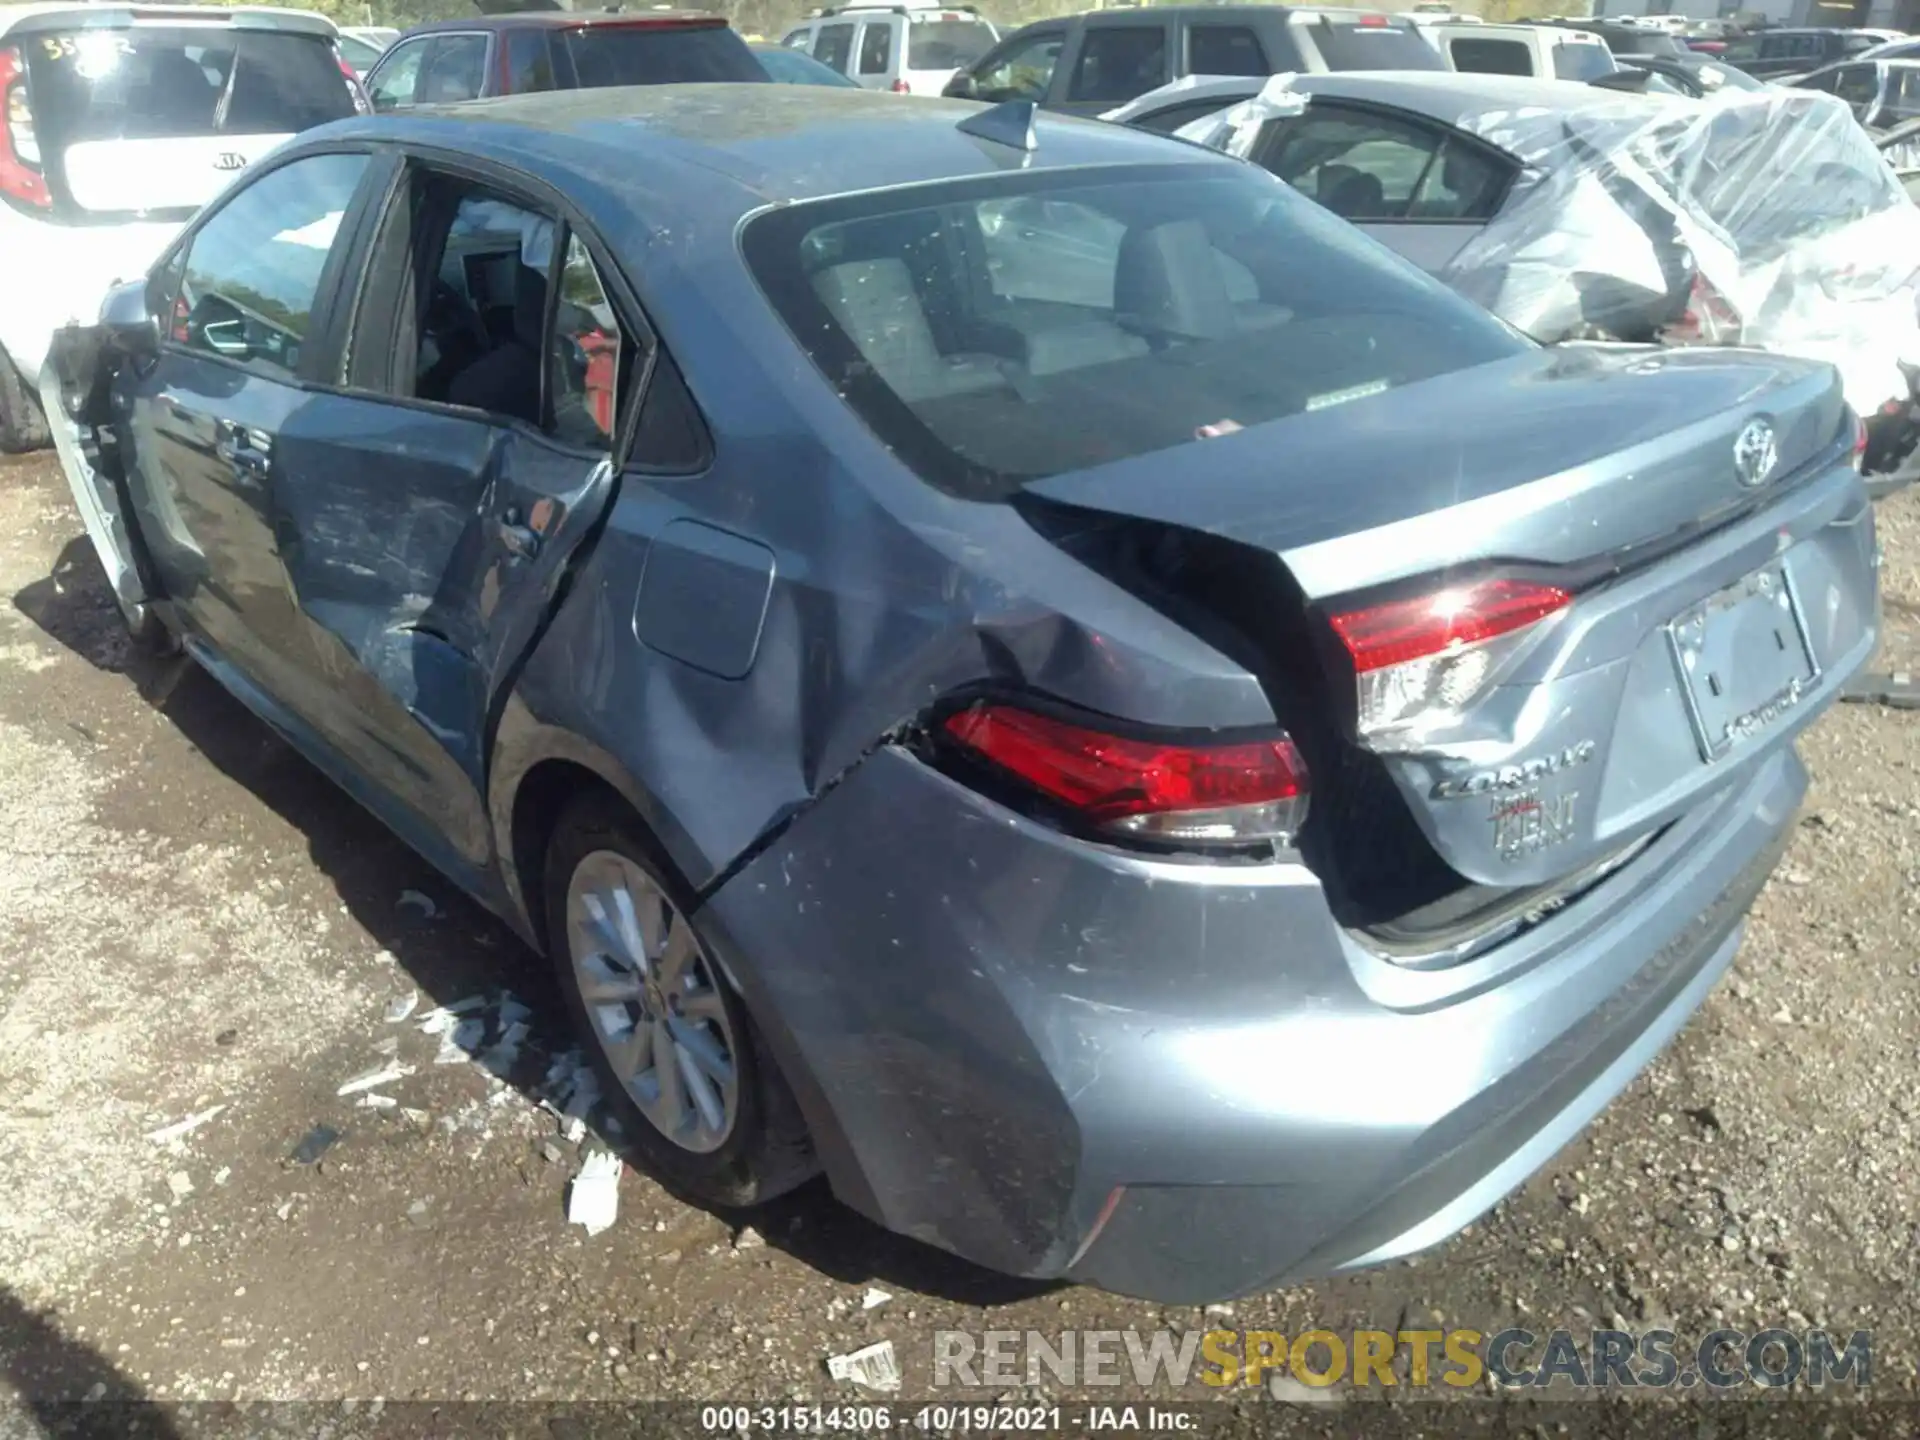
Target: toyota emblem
[{"x": 1755, "y": 453}]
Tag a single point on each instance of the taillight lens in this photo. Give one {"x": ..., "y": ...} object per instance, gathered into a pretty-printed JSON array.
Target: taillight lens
[
  {"x": 1710, "y": 317},
  {"x": 1418, "y": 663},
  {"x": 1860, "y": 442},
  {"x": 900, "y": 87},
  {"x": 1244, "y": 792},
  {"x": 361, "y": 104},
  {"x": 20, "y": 176}
]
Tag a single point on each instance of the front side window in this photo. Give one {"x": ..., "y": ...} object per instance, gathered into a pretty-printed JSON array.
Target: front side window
[
  {"x": 1225, "y": 50},
  {"x": 876, "y": 48},
  {"x": 834, "y": 46},
  {"x": 994, "y": 331},
  {"x": 253, "y": 268},
  {"x": 456, "y": 70},
  {"x": 1023, "y": 72},
  {"x": 1859, "y": 86},
  {"x": 1120, "y": 63},
  {"x": 397, "y": 81}
]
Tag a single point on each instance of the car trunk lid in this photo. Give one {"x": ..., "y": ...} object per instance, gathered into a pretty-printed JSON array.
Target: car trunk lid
[{"x": 1707, "y": 614}]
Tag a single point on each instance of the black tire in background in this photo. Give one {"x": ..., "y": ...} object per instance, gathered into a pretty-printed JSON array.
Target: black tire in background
[{"x": 22, "y": 426}]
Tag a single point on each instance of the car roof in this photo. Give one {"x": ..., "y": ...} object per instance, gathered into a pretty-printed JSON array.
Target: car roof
[
  {"x": 690, "y": 157},
  {"x": 568, "y": 20},
  {"x": 108, "y": 16},
  {"x": 1455, "y": 98}
]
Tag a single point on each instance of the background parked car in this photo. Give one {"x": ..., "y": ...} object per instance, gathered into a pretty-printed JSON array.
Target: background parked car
[
  {"x": 1783, "y": 54},
  {"x": 1881, "y": 93},
  {"x": 792, "y": 67},
  {"x": 1692, "y": 76},
  {"x": 1626, "y": 40},
  {"x": 1546, "y": 51},
  {"x": 516, "y": 54},
  {"x": 120, "y": 123},
  {"x": 1765, "y": 219},
  {"x": 1085, "y": 64},
  {"x": 362, "y": 47},
  {"x": 908, "y": 49}
]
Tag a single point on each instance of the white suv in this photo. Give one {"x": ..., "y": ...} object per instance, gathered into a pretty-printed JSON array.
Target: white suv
[
  {"x": 116, "y": 124},
  {"x": 908, "y": 49}
]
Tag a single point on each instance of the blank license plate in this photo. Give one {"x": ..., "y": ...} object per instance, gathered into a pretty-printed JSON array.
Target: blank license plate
[{"x": 1744, "y": 659}]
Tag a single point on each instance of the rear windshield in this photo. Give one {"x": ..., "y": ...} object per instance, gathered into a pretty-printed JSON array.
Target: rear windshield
[
  {"x": 150, "y": 82},
  {"x": 947, "y": 44},
  {"x": 999, "y": 330},
  {"x": 659, "y": 55},
  {"x": 1351, "y": 45}
]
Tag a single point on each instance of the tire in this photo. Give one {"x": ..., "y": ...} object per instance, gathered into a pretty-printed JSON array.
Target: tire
[
  {"x": 762, "y": 1150},
  {"x": 22, "y": 425}
]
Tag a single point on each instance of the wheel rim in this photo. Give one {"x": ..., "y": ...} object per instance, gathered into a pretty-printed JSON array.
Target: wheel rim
[{"x": 653, "y": 1002}]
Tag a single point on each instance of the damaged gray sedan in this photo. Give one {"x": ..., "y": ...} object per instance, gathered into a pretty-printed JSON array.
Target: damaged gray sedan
[{"x": 1162, "y": 747}]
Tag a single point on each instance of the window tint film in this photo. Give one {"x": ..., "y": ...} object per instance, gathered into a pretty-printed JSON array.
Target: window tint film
[
  {"x": 995, "y": 331},
  {"x": 834, "y": 45},
  {"x": 253, "y": 270},
  {"x": 1224, "y": 50},
  {"x": 529, "y": 61},
  {"x": 1490, "y": 57},
  {"x": 661, "y": 55},
  {"x": 1582, "y": 62},
  {"x": 1118, "y": 63},
  {"x": 1371, "y": 43},
  {"x": 876, "y": 48}
]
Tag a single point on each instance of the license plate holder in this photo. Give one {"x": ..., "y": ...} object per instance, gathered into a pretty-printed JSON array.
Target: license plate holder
[{"x": 1744, "y": 659}]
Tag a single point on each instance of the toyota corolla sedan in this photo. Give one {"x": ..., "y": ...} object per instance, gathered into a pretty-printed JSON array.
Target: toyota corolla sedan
[{"x": 1178, "y": 758}]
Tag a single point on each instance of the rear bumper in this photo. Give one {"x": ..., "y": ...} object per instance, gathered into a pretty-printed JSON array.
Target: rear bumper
[{"x": 992, "y": 1028}]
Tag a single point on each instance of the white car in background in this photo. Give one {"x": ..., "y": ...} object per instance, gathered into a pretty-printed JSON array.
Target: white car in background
[
  {"x": 908, "y": 49},
  {"x": 120, "y": 121}
]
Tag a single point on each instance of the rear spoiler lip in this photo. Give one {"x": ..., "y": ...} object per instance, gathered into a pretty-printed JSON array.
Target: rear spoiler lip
[{"x": 126, "y": 17}]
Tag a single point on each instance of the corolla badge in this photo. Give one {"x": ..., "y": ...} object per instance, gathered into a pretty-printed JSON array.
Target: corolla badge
[
  {"x": 1755, "y": 453},
  {"x": 230, "y": 160}
]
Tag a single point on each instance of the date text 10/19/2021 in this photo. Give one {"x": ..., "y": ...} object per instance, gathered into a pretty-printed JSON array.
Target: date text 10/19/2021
[{"x": 944, "y": 1419}]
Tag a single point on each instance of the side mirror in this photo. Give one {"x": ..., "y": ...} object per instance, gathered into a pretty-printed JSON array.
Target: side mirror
[
  {"x": 129, "y": 323},
  {"x": 962, "y": 87}
]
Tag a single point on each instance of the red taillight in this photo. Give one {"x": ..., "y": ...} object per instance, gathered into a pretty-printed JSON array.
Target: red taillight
[
  {"x": 1710, "y": 317},
  {"x": 20, "y": 175},
  {"x": 900, "y": 87},
  {"x": 361, "y": 105},
  {"x": 1420, "y": 662},
  {"x": 1231, "y": 794}
]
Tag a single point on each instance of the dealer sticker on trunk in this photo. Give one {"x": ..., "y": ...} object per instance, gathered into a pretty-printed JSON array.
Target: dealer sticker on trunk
[{"x": 1527, "y": 823}]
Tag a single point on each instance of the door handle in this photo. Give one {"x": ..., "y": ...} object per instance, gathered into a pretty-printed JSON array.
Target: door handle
[
  {"x": 239, "y": 447},
  {"x": 521, "y": 541}
]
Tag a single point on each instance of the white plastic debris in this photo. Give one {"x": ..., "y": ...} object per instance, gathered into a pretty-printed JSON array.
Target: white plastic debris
[
  {"x": 458, "y": 1044},
  {"x": 749, "y": 1239},
  {"x": 442, "y": 1018},
  {"x": 378, "y": 1102},
  {"x": 223, "y": 1174},
  {"x": 180, "y": 1129},
  {"x": 374, "y": 1079},
  {"x": 181, "y": 1184},
  {"x": 574, "y": 1131},
  {"x": 595, "y": 1199},
  {"x": 401, "y": 1006},
  {"x": 874, "y": 1299},
  {"x": 875, "y": 1367},
  {"x": 421, "y": 904}
]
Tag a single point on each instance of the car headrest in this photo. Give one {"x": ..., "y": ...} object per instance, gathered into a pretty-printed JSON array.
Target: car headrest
[{"x": 1168, "y": 282}]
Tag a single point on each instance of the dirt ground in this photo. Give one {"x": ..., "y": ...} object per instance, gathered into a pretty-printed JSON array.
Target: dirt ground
[{"x": 191, "y": 918}]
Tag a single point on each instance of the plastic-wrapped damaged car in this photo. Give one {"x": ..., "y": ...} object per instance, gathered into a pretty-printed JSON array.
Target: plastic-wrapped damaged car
[{"x": 1161, "y": 746}]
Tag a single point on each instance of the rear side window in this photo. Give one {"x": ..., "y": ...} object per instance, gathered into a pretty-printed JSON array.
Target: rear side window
[
  {"x": 253, "y": 270},
  {"x": 1490, "y": 57},
  {"x": 1225, "y": 50},
  {"x": 1119, "y": 63},
  {"x": 947, "y": 44},
  {"x": 1858, "y": 84},
  {"x": 876, "y": 48},
  {"x": 397, "y": 79},
  {"x": 1165, "y": 122},
  {"x": 998, "y": 330},
  {"x": 1367, "y": 167},
  {"x": 1582, "y": 62},
  {"x": 529, "y": 62},
  {"x": 833, "y": 45},
  {"x": 1370, "y": 43},
  {"x": 662, "y": 55}
]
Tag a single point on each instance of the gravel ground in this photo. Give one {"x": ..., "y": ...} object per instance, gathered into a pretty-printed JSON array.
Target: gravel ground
[{"x": 197, "y": 924}]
